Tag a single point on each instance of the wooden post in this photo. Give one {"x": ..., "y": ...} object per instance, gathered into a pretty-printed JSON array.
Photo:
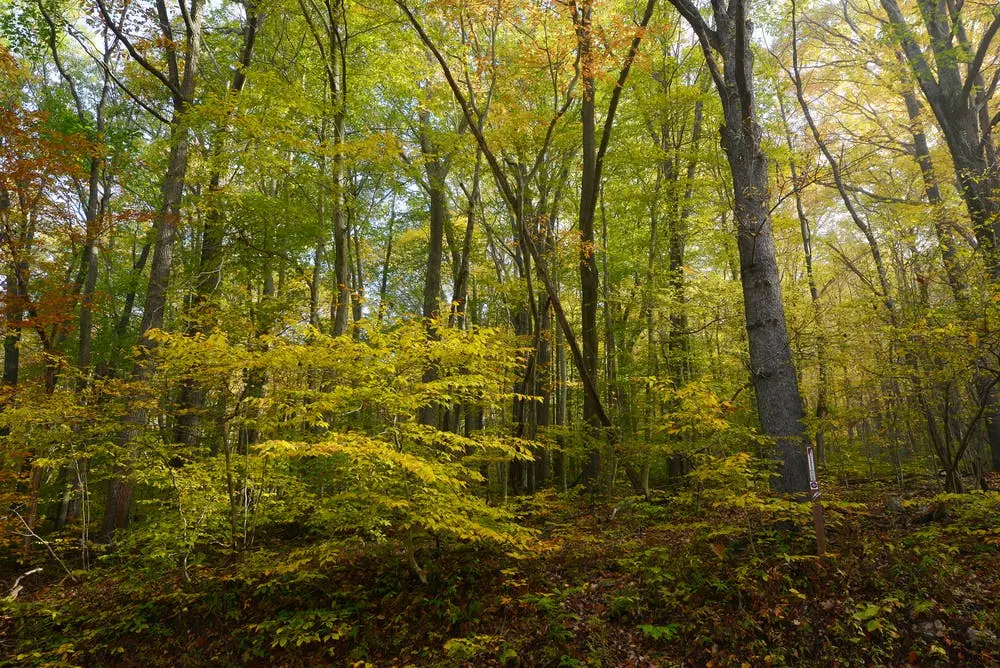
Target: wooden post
[{"x": 817, "y": 506}]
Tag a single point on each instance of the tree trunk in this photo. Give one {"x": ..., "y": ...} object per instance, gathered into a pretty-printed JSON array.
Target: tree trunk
[
  {"x": 962, "y": 112},
  {"x": 341, "y": 242},
  {"x": 943, "y": 225},
  {"x": 96, "y": 206},
  {"x": 561, "y": 406},
  {"x": 957, "y": 111},
  {"x": 199, "y": 313},
  {"x": 12, "y": 351},
  {"x": 120, "y": 487},
  {"x": 432, "y": 277},
  {"x": 328, "y": 27},
  {"x": 357, "y": 273},
  {"x": 543, "y": 365},
  {"x": 460, "y": 295},
  {"x": 319, "y": 253},
  {"x": 589, "y": 281},
  {"x": 436, "y": 168},
  {"x": 383, "y": 286},
  {"x": 772, "y": 371}
]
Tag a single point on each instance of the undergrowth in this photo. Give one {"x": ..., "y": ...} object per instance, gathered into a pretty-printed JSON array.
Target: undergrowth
[{"x": 691, "y": 577}]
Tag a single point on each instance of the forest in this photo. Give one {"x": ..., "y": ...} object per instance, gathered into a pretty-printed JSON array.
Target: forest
[{"x": 499, "y": 332}]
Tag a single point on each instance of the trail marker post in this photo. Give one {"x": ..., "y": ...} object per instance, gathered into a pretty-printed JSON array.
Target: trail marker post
[{"x": 817, "y": 506}]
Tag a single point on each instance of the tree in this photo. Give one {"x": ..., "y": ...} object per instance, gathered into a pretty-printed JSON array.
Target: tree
[
  {"x": 513, "y": 192},
  {"x": 328, "y": 27},
  {"x": 590, "y": 186},
  {"x": 179, "y": 82},
  {"x": 729, "y": 58},
  {"x": 210, "y": 260},
  {"x": 961, "y": 104}
]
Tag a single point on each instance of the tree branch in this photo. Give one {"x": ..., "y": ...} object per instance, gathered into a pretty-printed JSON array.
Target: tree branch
[
  {"x": 118, "y": 82},
  {"x": 708, "y": 38},
  {"x": 136, "y": 56},
  {"x": 506, "y": 190},
  {"x": 914, "y": 55},
  {"x": 977, "y": 62},
  {"x": 616, "y": 94}
]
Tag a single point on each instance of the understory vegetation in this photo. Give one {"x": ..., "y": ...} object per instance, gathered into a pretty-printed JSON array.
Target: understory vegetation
[{"x": 697, "y": 575}]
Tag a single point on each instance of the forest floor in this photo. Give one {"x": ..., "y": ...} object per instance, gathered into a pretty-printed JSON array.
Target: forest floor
[{"x": 908, "y": 578}]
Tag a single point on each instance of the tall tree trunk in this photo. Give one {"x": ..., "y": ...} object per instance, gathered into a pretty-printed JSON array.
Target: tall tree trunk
[
  {"x": 319, "y": 255},
  {"x": 589, "y": 281},
  {"x": 383, "y": 287},
  {"x": 460, "y": 294},
  {"x": 12, "y": 340},
  {"x": 437, "y": 169},
  {"x": 547, "y": 378},
  {"x": 611, "y": 318},
  {"x": 594, "y": 414},
  {"x": 116, "y": 513},
  {"x": 357, "y": 272},
  {"x": 200, "y": 312},
  {"x": 432, "y": 276},
  {"x": 182, "y": 87},
  {"x": 341, "y": 240},
  {"x": 210, "y": 263},
  {"x": 943, "y": 225},
  {"x": 772, "y": 371},
  {"x": 543, "y": 355},
  {"x": 678, "y": 343},
  {"x": 96, "y": 206},
  {"x": 524, "y": 324},
  {"x": 327, "y": 23}
]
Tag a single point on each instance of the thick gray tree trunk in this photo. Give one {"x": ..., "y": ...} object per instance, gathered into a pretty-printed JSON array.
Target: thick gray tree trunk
[
  {"x": 589, "y": 281},
  {"x": 729, "y": 57}
]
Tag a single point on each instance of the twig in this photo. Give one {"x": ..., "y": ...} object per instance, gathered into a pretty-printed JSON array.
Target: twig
[
  {"x": 46, "y": 544},
  {"x": 16, "y": 589}
]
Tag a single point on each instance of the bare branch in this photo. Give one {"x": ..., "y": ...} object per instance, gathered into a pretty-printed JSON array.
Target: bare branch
[
  {"x": 136, "y": 56},
  {"x": 708, "y": 38},
  {"x": 501, "y": 177},
  {"x": 977, "y": 62},
  {"x": 118, "y": 82}
]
